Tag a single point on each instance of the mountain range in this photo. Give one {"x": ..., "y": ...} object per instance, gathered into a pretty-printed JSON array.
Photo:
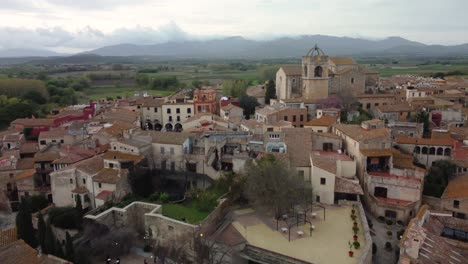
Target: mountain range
[{"x": 286, "y": 47}]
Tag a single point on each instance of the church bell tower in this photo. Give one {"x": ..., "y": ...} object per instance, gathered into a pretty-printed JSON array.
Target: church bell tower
[{"x": 315, "y": 74}]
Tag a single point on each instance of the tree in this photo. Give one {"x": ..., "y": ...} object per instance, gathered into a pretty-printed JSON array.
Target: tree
[
  {"x": 422, "y": 117},
  {"x": 248, "y": 103},
  {"x": 34, "y": 96},
  {"x": 24, "y": 226},
  {"x": 270, "y": 91},
  {"x": 69, "y": 252},
  {"x": 268, "y": 73},
  {"x": 271, "y": 185},
  {"x": 235, "y": 88},
  {"x": 58, "y": 250},
  {"x": 41, "y": 229},
  {"x": 49, "y": 244},
  {"x": 438, "y": 177},
  {"x": 38, "y": 202}
]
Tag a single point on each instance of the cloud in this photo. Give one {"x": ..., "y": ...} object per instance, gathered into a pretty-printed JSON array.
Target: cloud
[{"x": 89, "y": 38}]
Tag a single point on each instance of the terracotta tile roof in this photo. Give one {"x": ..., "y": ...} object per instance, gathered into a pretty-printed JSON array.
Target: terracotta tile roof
[
  {"x": 90, "y": 166},
  {"x": 46, "y": 156},
  {"x": 343, "y": 185},
  {"x": 252, "y": 123},
  {"x": 299, "y": 145},
  {"x": 53, "y": 133},
  {"x": 229, "y": 107},
  {"x": 376, "y": 96},
  {"x": 424, "y": 141},
  {"x": 343, "y": 61},
  {"x": 376, "y": 152},
  {"x": 325, "y": 134},
  {"x": 172, "y": 138},
  {"x": 29, "y": 147},
  {"x": 198, "y": 116},
  {"x": 111, "y": 176},
  {"x": 120, "y": 156},
  {"x": 25, "y": 163},
  {"x": 32, "y": 122},
  {"x": 292, "y": 69},
  {"x": 20, "y": 252},
  {"x": 7, "y": 236},
  {"x": 343, "y": 71},
  {"x": 151, "y": 102},
  {"x": 104, "y": 195},
  {"x": 322, "y": 121},
  {"x": 117, "y": 128},
  {"x": 80, "y": 190},
  {"x": 403, "y": 161},
  {"x": 359, "y": 134},
  {"x": 457, "y": 187},
  {"x": 326, "y": 160},
  {"x": 26, "y": 174}
]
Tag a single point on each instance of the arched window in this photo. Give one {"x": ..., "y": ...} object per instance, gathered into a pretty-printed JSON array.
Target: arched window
[
  {"x": 424, "y": 150},
  {"x": 352, "y": 80},
  {"x": 417, "y": 150},
  {"x": 432, "y": 151},
  {"x": 447, "y": 152},
  {"x": 440, "y": 151},
  {"x": 318, "y": 71},
  {"x": 305, "y": 70}
]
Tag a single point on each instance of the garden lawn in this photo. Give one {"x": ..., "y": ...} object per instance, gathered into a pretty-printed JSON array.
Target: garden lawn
[{"x": 189, "y": 211}]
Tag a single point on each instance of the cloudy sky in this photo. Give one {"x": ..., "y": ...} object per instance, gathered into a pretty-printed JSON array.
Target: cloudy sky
[{"x": 76, "y": 25}]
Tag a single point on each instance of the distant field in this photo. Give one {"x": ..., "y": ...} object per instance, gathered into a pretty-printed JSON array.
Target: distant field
[
  {"x": 99, "y": 92},
  {"x": 389, "y": 70},
  {"x": 190, "y": 75}
]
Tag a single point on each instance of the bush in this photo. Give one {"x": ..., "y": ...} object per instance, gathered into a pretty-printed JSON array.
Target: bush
[
  {"x": 389, "y": 222},
  {"x": 164, "y": 197},
  {"x": 207, "y": 202},
  {"x": 381, "y": 219},
  {"x": 38, "y": 202},
  {"x": 374, "y": 248},
  {"x": 356, "y": 244},
  {"x": 388, "y": 246},
  {"x": 154, "y": 197},
  {"x": 65, "y": 217}
]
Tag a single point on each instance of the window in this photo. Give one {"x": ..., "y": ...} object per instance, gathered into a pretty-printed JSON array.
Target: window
[
  {"x": 383, "y": 145},
  {"x": 323, "y": 181},
  {"x": 172, "y": 166},
  {"x": 317, "y": 198},
  {"x": 99, "y": 185},
  {"x": 199, "y": 108},
  {"x": 163, "y": 165},
  {"x": 270, "y": 129},
  {"x": 71, "y": 181},
  {"x": 170, "y": 118},
  {"x": 111, "y": 165},
  {"x": 189, "y": 110},
  {"x": 172, "y": 150},
  {"x": 352, "y": 80},
  {"x": 168, "y": 110},
  {"x": 42, "y": 142},
  {"x": 456, "y": 204},
  {"x": 294, "y": 118},
  {"x": 61, "y": 141},
  {"x": 177, "y": 111},
  {"x": 84, "y": 181},
  {"x": 285, "y": 118},
  {"x": 163, "y": 150},
  {"x": 301, "y": 118},
  {"x": 301, "y": 174},
  {"x": 147, "y": 108},
  {"x": 368, "y": 106},
  {"x": 274, "y": 136},
  {"x": 155, "y": 109},
  {"x": 178, "y": 118}
]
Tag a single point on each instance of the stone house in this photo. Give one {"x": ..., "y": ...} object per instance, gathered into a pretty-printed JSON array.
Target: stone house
[
  {"x": 369, "y": 101},
  {"x": 322, "y": 124},
  {"x": 455, "y": 197},
  {"x": 231, "y": 111},
  {"x": 395, "y": 112},
  {"x": 426, "y": 150},
  {"x": 333, "y": 177},
  {"x": 408, "y": 129},
  {"x": 169, "y": 150},
  {"x": 151, "y": 113}
]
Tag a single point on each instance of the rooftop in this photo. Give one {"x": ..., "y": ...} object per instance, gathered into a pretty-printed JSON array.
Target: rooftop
[
  {"x": 111, "y": 176},
  {"x": 424, "y": 141},
  {"x": 120, "y": 156},
  {"x": 171, "y": 138},
  {"x": 53, "y": 133},
  {"x": 457, "y": 187},
  {"x": 32, "y": 122},
  {"x": 292, "y": 69},
  {"x": 326, "y": 160},
  {"x": 325, "y": 120},
  {"x": 357, "y": 133},
  {"x": 260, "y": 231}
]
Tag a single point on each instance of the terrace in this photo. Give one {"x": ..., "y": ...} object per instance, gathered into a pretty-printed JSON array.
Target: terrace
[{"x": 327, "y": 243}]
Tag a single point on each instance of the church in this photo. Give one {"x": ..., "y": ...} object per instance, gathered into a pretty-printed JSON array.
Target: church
[{"x": 321, "y": 76}]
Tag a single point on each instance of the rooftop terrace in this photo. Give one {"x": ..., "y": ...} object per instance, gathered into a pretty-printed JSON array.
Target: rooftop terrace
[{"x": 327, "y": 244}]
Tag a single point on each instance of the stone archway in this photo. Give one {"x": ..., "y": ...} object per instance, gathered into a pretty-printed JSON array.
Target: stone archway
[
  {"x": 440, "y": 151},
  {"x": 417, "y": 150},
  {"x": 178, "y": 127},
  {"x": 168, "y": 127},
  {"x": 318, "y": 71}
]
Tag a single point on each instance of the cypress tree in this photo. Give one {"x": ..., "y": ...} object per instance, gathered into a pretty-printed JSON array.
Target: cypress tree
[
  {"x": 49, "y": 245},
  {"x": 58, "y": 249},
  {"x": 24, "y": 226},
  {"x": 69, "y": 252},
  {"x": 41, "y": 228}
]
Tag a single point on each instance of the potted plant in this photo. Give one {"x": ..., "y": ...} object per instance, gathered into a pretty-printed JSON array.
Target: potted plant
[
  {"x": 355, "y": 237},
  {"x": 353, "y": 217},
  {"x": 356, "y": 245},
  {"x": 355, "y": 223},
  {"x": 353, "y": 211},
  {"x": 350, "y": 252}
]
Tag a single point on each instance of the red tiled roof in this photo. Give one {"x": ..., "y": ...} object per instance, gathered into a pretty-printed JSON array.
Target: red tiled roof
[
  {"x": 388, "y": 175},
  {"x": 456, "y": 188},
  {"x": 424, "y": 141},
  {"x": 103, "y": 195}
]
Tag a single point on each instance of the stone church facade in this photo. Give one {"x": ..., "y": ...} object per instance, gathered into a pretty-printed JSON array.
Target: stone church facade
[{"x": 320, "y": 76}]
